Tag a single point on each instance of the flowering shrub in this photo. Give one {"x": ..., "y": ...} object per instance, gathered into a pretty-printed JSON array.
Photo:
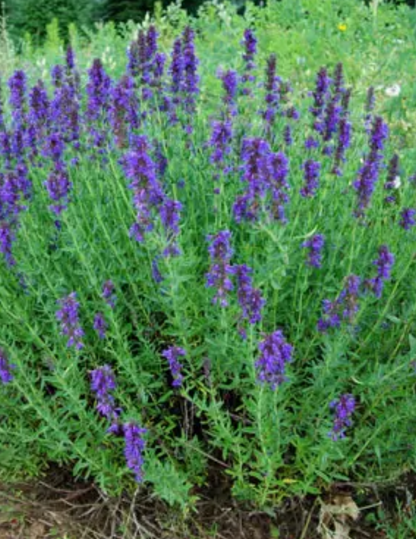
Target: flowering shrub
[{"x": 194, "y": 281}]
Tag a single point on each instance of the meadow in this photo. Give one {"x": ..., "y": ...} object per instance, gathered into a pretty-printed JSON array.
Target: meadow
[{"x": 207, "y": 251}]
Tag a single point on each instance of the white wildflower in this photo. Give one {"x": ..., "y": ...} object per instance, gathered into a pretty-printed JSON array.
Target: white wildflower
[
  {"x": 393, "y": 91},
  {"x": 397, "y": 182}
]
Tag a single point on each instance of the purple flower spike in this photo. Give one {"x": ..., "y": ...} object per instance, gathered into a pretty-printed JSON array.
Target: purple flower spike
[
  {"x": 344, "y": 142},
  {"x": 312, "y": 171},
  {"x": 311, "y": 143},
  {"x": 57, "y": 75},
  {"x": 344, "y": 408},
  {"x": 339, "y": 81},
  {"x": 249, "y": 298},
  {"x": 287, "y": 135},
  {"x": 70, "y": 58},
  {"x": 230, "y": 84},
  {"x": 315, "y": 246},
  {"x": 156, "y": 275},
  {"x": 275, "y": 353},
  {"x": 169, "y": 215},
  {"x": 330, "y": 120},
  {"x": 134, "y": 448},
  {"x": 68, "y": 316},
  {"x": 103, "y": 384},
  {"x": 7, "y": 238},
  {"x": 384, "y": 264},
  {"x": 147, "y": 191},
  {"x": 272, "y": 98},
  {"x": 220, "y": 142},
  {"x": 172, "y": 354},
  {"x": 408, "y": 218},
  {"x": 320, "y": 95},
  {"x": 249, "y": 43},
  {"x": 58, "y": 186},
  {"x": 100, "y": 325},
  {"x": 5, "y": 368},
  {"x": 17, "y": 85},
  {"x": 190, "y": 66},
  {"x": 108, "y": 293},
  {"x": 123, "y": 110},
  {"x": 393, "y": 179},
  {"x": 369, "y": 172},
  {"x": 219, "y": 275},
  {"x": 344, "y": 307},
  {"x": 98, "y": 90},
  {"x": 255, "y": 154},
  {"x": 38, "y": 106},
  {"x": 176, "y": 69}
]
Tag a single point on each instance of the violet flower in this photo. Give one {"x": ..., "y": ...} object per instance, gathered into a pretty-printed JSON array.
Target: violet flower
[
  {"x": 134, "y": 449},
  {"x": 230, "y": 85},
  {"x": 147, "y": 191},
  {"x": 14, "y": 187},
  {"x": 6, "y": 368},
  {"x": 98, "y": 90},
  {"x": 314, "y": 246},
  {"x": 176, "y": 71},
  {"x": 344, "y": 142},
  {"x": 17, "y": 100},
  {"x": 170, "y": 215},
  {"x": 320, "y": 96},
  {"x": 7, "y": 237},
  {"x": 384, "y": 264},
  {"x": 287, "y": 135},
  {"x": 57, "y": 75},
  {"x": 100, "y": 325},
  {"x": 218, "y": 276},
  {"x": 220, "y": 142},
  {"x": 344, "y": 307},
  {"x": 344, "y": 408},
  {"x": 345, "y": 102},
  {"x": 278, "y": 185},
  {"x": 312, "y": 171},
  {"x": 108, "y": 293},
  {"x": 172, "y": 354},
  {"x": 338, "y": 81},
  {"x": 68, "y": 316},
  {"x": 408, "y": 218},
  {"x": 58, "y": 186},
  {"x": 272, "y": 93},
  {"x": 190, "y": 70},
  {"x": 156, "y": 275},
  {"x": 369, "y": 172},
  {"x": 393, "y": 178},
  {"x": 103, "y": 384},
  {"x": 65, "y": 113},
  {"x": 123, "y": 110},
  {"x": 249, "y": 298},
  {"x": 330, "y": 120},
  {"x": 249, "y": 43},
  {"x": 275, "y": 353},
  {"x": 70, "y": 58},
  {"x": 311, "y": 143},
  {"x": 255, "y": 155},
  {"x": 38, "y": 107}
]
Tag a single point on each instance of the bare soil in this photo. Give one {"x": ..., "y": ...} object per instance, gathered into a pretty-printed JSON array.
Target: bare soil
[{"x": 58, "y": 507}]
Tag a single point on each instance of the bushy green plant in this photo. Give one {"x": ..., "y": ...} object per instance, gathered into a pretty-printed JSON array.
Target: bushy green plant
[{"x": 65, "y": 221}]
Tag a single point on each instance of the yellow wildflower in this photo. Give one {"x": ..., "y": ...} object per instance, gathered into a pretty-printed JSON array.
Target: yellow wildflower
[{"x": 342, "y": 27}]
